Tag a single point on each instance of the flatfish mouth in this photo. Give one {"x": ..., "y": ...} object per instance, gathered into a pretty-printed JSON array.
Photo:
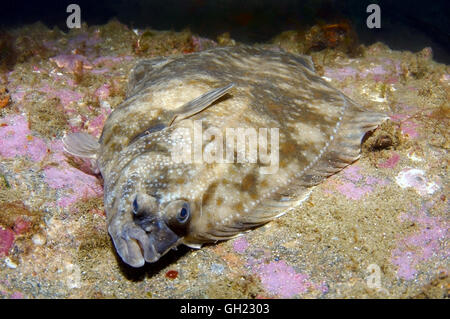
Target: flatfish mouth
[{"x": 301, "y": 130}]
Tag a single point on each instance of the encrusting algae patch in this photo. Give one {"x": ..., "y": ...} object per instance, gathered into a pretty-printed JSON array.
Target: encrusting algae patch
[{"x": 378, "y": 228}]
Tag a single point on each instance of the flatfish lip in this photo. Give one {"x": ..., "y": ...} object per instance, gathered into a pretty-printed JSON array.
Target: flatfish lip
[{"x": 318, "y": 132}]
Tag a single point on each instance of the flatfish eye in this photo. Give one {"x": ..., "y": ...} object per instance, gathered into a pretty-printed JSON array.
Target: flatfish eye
[{"x": 184, "y": 213}]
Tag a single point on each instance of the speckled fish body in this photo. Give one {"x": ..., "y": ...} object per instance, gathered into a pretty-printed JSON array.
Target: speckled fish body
[{"x": 154, "y": 204}]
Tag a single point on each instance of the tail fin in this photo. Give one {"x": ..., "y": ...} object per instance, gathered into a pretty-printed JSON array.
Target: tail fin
[{"x": 346, "y": 145}]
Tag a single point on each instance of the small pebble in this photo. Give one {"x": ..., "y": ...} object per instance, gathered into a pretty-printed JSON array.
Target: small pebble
[
  {"x": 217, "y": 268},
  {"x": 11, "y": 264},
  {"x": 38, "y": 239}
]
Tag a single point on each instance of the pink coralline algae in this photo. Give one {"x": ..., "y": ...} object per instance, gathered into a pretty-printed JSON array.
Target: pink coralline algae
[
  {"x": 16, "y": 139},
  {"x": 240, "y": 244},
  {"x": 353, "y": 184},
  {"x": 280, "y": 279},
  {"x": 76, "y": 185},
  {"x": 81, "y": 40},
  {"x": 95, "y": 126},
  {"x": 391, "y": 162},
  {"x": 340, "y": 74},
  {"x": 21, "y": 226},
  {"x": 16, "y": 295},
  {"x": 377, "y": 71},
  {"x": 70, "y": 62},
  {"x": 6, "y": 241},
  {"x": 398, "y": 117},
  {"x": 408, "y": 127},
  {"x": 352, "y": 173},
  {"x": 18, "y": 94},
  {"x": 103, "y": 92},
  {"x": 109, "y": 60},
  {"x": 421, "y": 246},
  {"x": 352, "y": 191},
  {"x": 66, "y": 96},
  {"x": 445, "y": 78}
]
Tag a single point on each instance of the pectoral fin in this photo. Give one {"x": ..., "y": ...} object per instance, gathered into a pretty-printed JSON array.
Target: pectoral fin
[
  {"x": 81, "y": 144},
  {"x": 199, "y": 104}
]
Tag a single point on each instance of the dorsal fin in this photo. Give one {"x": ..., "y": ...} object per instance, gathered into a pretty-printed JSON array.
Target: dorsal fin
[
  {"x": 81, "y": 144},
  {"x": 142, "y": 71},
  {"x": 199, "y": 104}
]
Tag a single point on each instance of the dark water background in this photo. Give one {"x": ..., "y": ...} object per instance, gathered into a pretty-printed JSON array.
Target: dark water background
[{"x": 405, "y": 25}]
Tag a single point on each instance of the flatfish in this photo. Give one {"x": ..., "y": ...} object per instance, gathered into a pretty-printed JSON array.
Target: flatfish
[{"x": 212, "y": 144}]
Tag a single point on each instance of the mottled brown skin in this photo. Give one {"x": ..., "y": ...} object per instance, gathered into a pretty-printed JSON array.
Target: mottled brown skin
[{"x": 320, "y": 132}]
